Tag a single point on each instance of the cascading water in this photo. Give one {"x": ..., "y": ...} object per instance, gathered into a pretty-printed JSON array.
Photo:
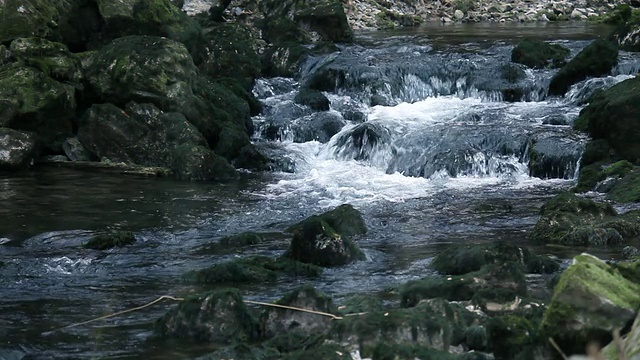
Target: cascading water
[{"x": 435, "y": 142}]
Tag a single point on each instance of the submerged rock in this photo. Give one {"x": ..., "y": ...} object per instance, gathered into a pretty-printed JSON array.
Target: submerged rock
[
  {"x": 325, "y": 239},
  {"x": 110, "y": 240},
  {"x": 462, "y": 259},
  {"x": 17, "y": 149},
  {"x": 313, "y": 99},
  {"x": 596, "y": 59},
  {"x": 219, "y": 317},
  {"x": 590, "y": 300}
]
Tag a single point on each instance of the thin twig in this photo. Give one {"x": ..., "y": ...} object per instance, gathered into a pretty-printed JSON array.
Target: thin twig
[
  {"x": 163, "y": 297},
  {"x": 334, "y": 317},
  {"x": 555, "y": 345},
  {"x": 619, "y": 344}
]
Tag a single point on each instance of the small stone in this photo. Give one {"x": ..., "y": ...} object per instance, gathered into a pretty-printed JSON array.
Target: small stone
[
  {"x": 74, "y": 150},
  {"x": 629, "y": 252},
  {"x": 459, "y": 14}
]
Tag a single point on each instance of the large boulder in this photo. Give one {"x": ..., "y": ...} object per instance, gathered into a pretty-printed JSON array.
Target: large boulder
[
  {"x": 596, "y": 59},
  {"x": 554, "y": 155},
  {"x": 538, "y": 54},
  {"x": 143, "y": 135},
  {"x": 323, "y": 20},
  {"x": 29, "y": 18},
  {"x": 590, "y": 300},
  {"x": 17, "y": 149},
  {"x": 51, "y": 58},
  {"x": 231, "y": 51},
  {"x": 31, "y": 101},
  {"x": 325, "y": 239},
  {"x": 612, "y": 116},
  {"x": 216, "y": 317}
]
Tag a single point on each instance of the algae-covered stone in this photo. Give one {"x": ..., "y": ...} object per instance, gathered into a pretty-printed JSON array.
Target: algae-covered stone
[
  {"x": 508, "y": 276},
  {"x": 219, "y": 316},
  {"x": 462, "y": 259},
  {"x": 386, "y": 351},
  {"x": 142, "y": 69},
  {"x": 276, "y": 321},
  {"x": 538, "y": 54},
  {"x": 572, "y": 220},
  {"x": 243, "y": 351},
  {"x": 325, "y": 239},
  {"x": 515, "y": 337},
  {"x": 53, "y": 59},
  {"x": 326, "y": 351},
  {"x": 612, "y": 115},
  {"x": 435, "y": 323},
  {"x": 27, "y": 18},
  {"x": 110, "y": 240},
  {"x": 17, "y": 149},
  {"x": 231, "y": 51},
  {"x": 596, "y": 59},
  {"x": 31, "y": 101},
  {"x": 627, "y": 189},
  {"x": 255, "y": 269},
  {"x": 590, "y": 300}
]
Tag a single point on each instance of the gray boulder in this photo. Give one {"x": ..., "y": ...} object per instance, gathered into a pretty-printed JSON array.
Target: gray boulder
[{"x": 17, "y": 149}]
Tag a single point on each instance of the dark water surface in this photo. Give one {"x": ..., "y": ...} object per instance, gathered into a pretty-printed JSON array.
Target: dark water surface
[{"x": 48, "y": 281}]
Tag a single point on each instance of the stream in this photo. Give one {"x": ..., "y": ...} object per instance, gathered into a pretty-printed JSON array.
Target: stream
[{"x": 423, "y": 137}]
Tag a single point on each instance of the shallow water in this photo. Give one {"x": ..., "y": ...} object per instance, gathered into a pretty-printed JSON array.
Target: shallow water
[{"x": 416, "y": 200}]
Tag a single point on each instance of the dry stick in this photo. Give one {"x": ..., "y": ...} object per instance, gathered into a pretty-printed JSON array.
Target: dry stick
[
  {"x": 555, "y": 345},
  {"x": 619, "y": 345},
  {"x": 163, "y": 297},
  {"x": 334, "y": 317}
]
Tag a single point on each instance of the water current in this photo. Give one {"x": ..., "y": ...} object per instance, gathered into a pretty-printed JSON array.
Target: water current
[{"x": 424, "y": 136}]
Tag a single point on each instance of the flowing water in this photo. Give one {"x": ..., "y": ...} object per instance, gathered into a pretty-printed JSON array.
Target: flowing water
[{"x": 424, "y": 136}]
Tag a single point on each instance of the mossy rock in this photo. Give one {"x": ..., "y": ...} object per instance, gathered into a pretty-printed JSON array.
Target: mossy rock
[
  {"x": 110, "y": 240},
  {"x": 251, "y": 270},
  {"x": 514, "y": 337},
  {"x": 596, "y": 59},
  {"x": 219, "y": 317},
  {"x": 361, "y": 303},
  {"x": 31, "y": 101},
  {"x": 589, "y": 176},
  {"x": 51, "y": 58},
  {"x": 283, "y": 59},
  {"x": 509, "y": 276},
  {"x": 277, "y": 321},
  {"x": 476, "y": 337},
  {"x": 590, "y": 300},
  {"x": 243, "y": 351},
  {"x": 597, "y": 150},
  {"x": 611, "y": 116},
  {"x": 435, "y": 323},
  {"x": 41, "y": 18},
  {"x": 627, "y": 189},
  {"x": 231, "y": 51},
  {"x": 325, "y": 239},
  {"x": 538, "y": 54},
  {"x": 293, "y": 341},
  {"x": 313, "y": 99},
  {"x": 326, "y": 351},
  {"x": 462, "y": 259},
  {"x": 630, "y": 269},
  {"x": 386, "y": 351},
  {"x": 570, "y": 203}
]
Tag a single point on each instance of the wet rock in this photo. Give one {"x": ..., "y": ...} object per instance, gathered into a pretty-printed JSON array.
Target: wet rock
[
  {"x": 571, "y": 220},
  {"x": 36, "y": 18},
  {"x": 590, "y": 300},
  {"x": 283, "y": 59},
  {"x": 362, "y": 142},
  {"x": 611, "y": 116},
  {"x": 142, "y": 134},
  {"x": 74, "y": 150},
  {"x": 325, "y": 351},
  {"x": 509, "y": 276},
  {"x": 110, "y": 240},
  {"x": 627, "y": 189},
  {"x": 325, "y": 239},
  {"x": 318, "y": 126},
  {"x": 323, "y": 20},
  {"x": 539, "y": 54},
  {"x": 5, "y": 55},
  {"x": 255, "y": 269},
  {"x": 231, "y": 50},
  {"x": 52, "y": 59},
  {"x": 554, "y": 155},
  {"x": 17, "y": 149},
  {"x": 243, "y": 351},
  {"x": 313, "y": 99},
  {"x": 276, "y": 321},
  {"x": 462, "y": 259},
  {"x": 386, "y": 351},
  {"x": 630, "y": 252},
  {"x": 31, "y": 101},
  {"x": 596, "y": 59},
  {"x": 435, "y": 324},
  {"x": 219, "y": 317},
  {"x": 515, "y": 336}
]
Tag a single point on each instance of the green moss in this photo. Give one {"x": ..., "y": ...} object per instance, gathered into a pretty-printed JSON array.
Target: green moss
[
  {"x": 620, "y": 168},
  {"x": 570, "y": 203},
  {"x": 326, "y": 351},
  {"x": 595, "y": 60},
  {"x": 595, "y": 151},
  {"x": 361, "y": 303},
  {"x": 539, "y": 54},
  {"x": 627, "y": 189},
  {"x": 513, "y": 337},
  {"x": 294, "y": 341},
  {"x": 110, "y": 240},
  {"x": 387, "y": 351},
  {"x": 589, "y": 177}
]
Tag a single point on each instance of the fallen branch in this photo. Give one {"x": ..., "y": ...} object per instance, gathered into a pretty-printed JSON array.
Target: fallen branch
[
  {"x": 334, "y": 317},
  {"x": 555, "y": 345}
]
